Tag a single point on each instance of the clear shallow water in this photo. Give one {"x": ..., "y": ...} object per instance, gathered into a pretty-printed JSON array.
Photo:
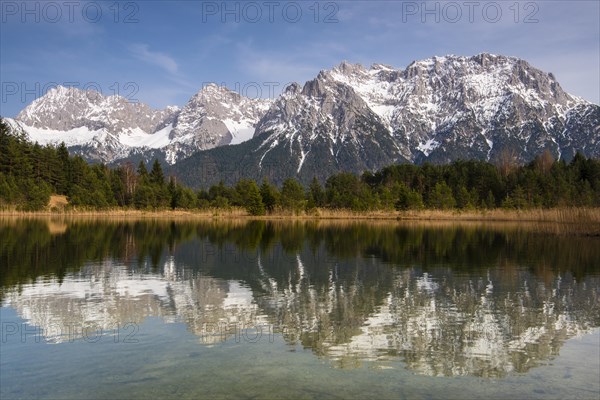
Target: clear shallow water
[{"x": 303, "y": 310}]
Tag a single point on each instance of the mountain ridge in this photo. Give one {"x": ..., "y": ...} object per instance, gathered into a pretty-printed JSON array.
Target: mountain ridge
[
  {"x": 348, "y": 118},
  {"x": 441, "y": 109},
  {"x": 110, "y": 128}
]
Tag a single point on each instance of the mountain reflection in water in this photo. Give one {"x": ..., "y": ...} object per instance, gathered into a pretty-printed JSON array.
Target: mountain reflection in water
[{"x": 445, "y": 300}]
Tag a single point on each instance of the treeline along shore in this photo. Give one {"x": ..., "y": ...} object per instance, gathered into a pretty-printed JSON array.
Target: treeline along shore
[{"x": 47, "y": 179}]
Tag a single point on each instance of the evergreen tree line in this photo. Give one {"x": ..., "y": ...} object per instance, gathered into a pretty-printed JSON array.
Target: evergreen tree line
[{"x": 30, "y": 173}]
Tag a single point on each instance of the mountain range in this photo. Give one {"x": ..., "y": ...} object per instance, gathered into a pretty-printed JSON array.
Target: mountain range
[
  {"x": 110, "y": 129},
  {"x": 349, "y": 118}
]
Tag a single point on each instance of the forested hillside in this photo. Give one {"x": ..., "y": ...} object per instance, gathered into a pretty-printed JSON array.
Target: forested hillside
[{"x": 30, "y": 173}]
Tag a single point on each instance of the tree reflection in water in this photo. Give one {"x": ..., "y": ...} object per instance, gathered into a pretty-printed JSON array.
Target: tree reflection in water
[{"x": 445, "y": 300}]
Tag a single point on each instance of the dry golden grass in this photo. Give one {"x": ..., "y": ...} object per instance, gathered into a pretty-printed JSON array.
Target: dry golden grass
[
  {"x": 562, "y": 215},
  {"x": 130, "y": 213},
  {"x": 557, "y": 220},
  {"x": 58, "y": 202}
]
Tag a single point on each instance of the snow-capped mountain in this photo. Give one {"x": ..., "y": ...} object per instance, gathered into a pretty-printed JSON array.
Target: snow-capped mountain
[
  {"x": 441, "y": 109},
  {"x": 220, "y": 116},
  {"x": 437, "y": 109},
  {"x": 349, "y": 118},
  {"x": 111, "y": 128}
]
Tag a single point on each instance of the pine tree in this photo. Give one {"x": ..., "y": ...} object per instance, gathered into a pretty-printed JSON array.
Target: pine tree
[
  {"x": 490, "y": 201},
  {"x": 441, "y": 197},
  {"x": 186, "y": 198},
  {"x": 269, "y": 195},
  {"x": 63, "y": 176},
  {"x": 157, "y": 176},
  {"x": 408, "y": 199},
  {"x": 142, "y": 171},
  {"x": 248, "y": 196},
  {"x": 8, "y": 192},
  {"x": 316, "y": 194},
  {"x": 463, "y": 198},
  {"x": 292, "y": 195},
  {"x": 254, "y": 204},
  {"x": 144, "y": 197},
  {"x": 8, "y": 149}
]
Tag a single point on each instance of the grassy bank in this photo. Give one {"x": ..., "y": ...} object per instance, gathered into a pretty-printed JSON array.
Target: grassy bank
[
  {"x": 561, "y": 215},
  {"x": 563, "y": 221},
  {"x": 572, "y": 220}
]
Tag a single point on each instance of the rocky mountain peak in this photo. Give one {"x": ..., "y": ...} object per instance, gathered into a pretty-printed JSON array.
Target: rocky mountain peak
[
  {"x": 349, "y": 69},
  {"x": 381, "y": 67},
  {"x": 347, "y": 118},
  {"x": 212, "y": 93},
  {"x": 437, "y": 109},
  {"x": 292, "y": 88},
  {"x": 67, "y": 108},
  {"x": 316, "y": 87},
  {"x": 108, "y": 128}
]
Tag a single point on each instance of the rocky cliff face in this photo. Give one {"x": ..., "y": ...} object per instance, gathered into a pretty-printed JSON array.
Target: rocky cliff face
[
  {"x": 63, "y": 109},
  {"x": 215, "y": 116},
  {"x": 323, "y": 129},
  {"x": 441, "y": 109},
  {"x": 349, "y": 118},
  {"x": 109, "y": 129}
]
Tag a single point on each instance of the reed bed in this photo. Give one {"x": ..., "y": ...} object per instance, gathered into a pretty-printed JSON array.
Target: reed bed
[{"x": 584, "y": 221}]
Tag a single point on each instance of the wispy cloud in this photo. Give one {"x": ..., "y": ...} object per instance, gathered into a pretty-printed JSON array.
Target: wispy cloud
[
  {"x": 274, "y": 68},
  {"x": 142, "y": 52},
  {"x": 564, "y": 40}
]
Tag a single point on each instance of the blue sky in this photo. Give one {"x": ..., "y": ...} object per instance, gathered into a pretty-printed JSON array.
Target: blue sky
[{"x": 162, "y": 52}]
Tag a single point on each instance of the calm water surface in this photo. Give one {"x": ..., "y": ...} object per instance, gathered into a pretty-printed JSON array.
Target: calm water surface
[{"x": 158, "y": 309}]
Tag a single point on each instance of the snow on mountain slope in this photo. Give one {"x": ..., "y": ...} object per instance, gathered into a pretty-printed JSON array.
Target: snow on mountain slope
[
  {"x": 349, "y": 118},
  {"x": 139, "y": 138},
  {"x": 217, "y": 116},
  {"x": 440, "y": 93},
  {"x": 439, "y": 109},
  {"x": 73, "y": 137},
  {"x": 240, "y": 130},
  {"x": 110, "y": 128},
  {"x": 353, "y": 119},
  {"x": 63, "y": 109}
]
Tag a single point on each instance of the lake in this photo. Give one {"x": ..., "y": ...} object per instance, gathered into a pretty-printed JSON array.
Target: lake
[{"x": 108, "y": 309}]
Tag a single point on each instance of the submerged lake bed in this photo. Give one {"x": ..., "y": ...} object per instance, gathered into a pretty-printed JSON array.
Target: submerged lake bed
[{"x": 96, "y": 308}]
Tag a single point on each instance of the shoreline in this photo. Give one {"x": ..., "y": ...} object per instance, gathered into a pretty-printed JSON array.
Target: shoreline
[
  {"x": 567, "y": 214},
  {"x": 561, "y": 221}
]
